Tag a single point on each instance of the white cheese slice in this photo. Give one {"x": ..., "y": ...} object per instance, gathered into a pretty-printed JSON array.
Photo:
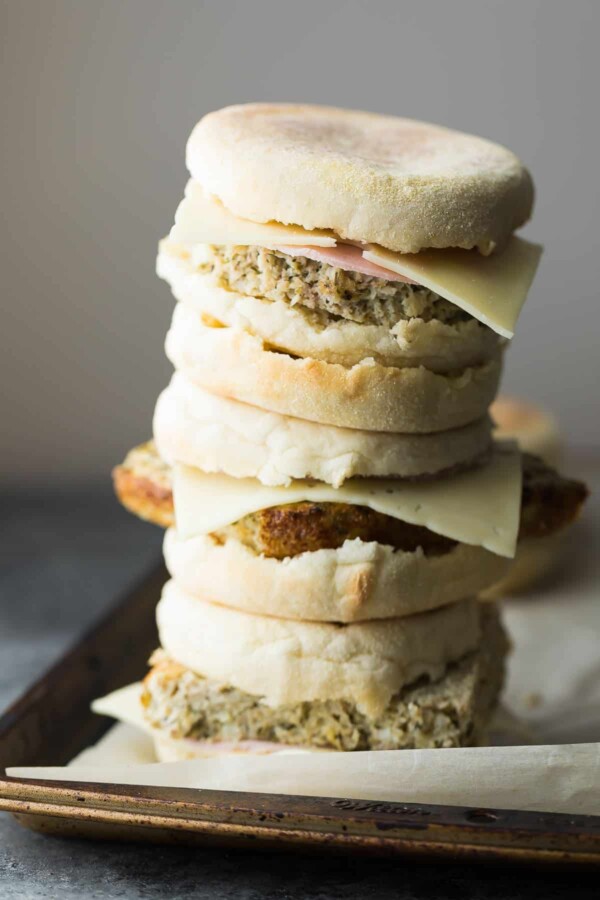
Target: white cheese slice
[
  {"x": 480, "y": 507},
  {"x": 202, "y": 219},
  {"x": 491, "y": 288}
]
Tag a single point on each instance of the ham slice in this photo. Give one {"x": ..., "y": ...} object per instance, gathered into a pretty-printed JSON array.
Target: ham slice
[{"x": 344, "y": 256}]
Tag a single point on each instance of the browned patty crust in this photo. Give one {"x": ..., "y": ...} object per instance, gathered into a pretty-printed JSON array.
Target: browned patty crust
[
  {"x": 282, "y": 531},
  {"x": 143, "y": 485}
]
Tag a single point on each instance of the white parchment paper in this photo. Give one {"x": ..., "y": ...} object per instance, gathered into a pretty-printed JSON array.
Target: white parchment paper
[{"x": 560, "y": 778}]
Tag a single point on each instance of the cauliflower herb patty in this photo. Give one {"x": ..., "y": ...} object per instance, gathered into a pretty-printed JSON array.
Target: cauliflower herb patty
[{"x": 317, "y": 286}]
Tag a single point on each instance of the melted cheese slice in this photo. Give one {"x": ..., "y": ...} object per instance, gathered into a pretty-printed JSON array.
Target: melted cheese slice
[
  {"x": 491, "y": 288},
  {"x": 202, "y": 219},
  {"x": 480, "y": 507}
]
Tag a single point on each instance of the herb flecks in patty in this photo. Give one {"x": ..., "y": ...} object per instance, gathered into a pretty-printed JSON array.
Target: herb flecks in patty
[{"x": 318, "y": 286}]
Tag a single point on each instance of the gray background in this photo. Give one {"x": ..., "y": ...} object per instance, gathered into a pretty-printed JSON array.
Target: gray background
[{"x": 97, "y": 101}]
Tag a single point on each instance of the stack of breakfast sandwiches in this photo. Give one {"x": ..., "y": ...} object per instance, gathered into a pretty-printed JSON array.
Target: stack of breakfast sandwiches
[{"x": 323, "y": 460}]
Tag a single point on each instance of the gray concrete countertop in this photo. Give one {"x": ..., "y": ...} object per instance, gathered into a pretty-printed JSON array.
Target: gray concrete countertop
[{"x": 63, "y": 559}]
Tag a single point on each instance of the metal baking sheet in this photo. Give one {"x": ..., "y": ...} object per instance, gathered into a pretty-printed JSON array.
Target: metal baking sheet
[{"x": 52, "y": 722}]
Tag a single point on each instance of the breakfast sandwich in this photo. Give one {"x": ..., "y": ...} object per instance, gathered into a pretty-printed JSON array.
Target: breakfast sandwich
[
  {"x": 339, "y": 561},
  {"x": 346, "y": 268},
  {"x": 227, "y": 679}
]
